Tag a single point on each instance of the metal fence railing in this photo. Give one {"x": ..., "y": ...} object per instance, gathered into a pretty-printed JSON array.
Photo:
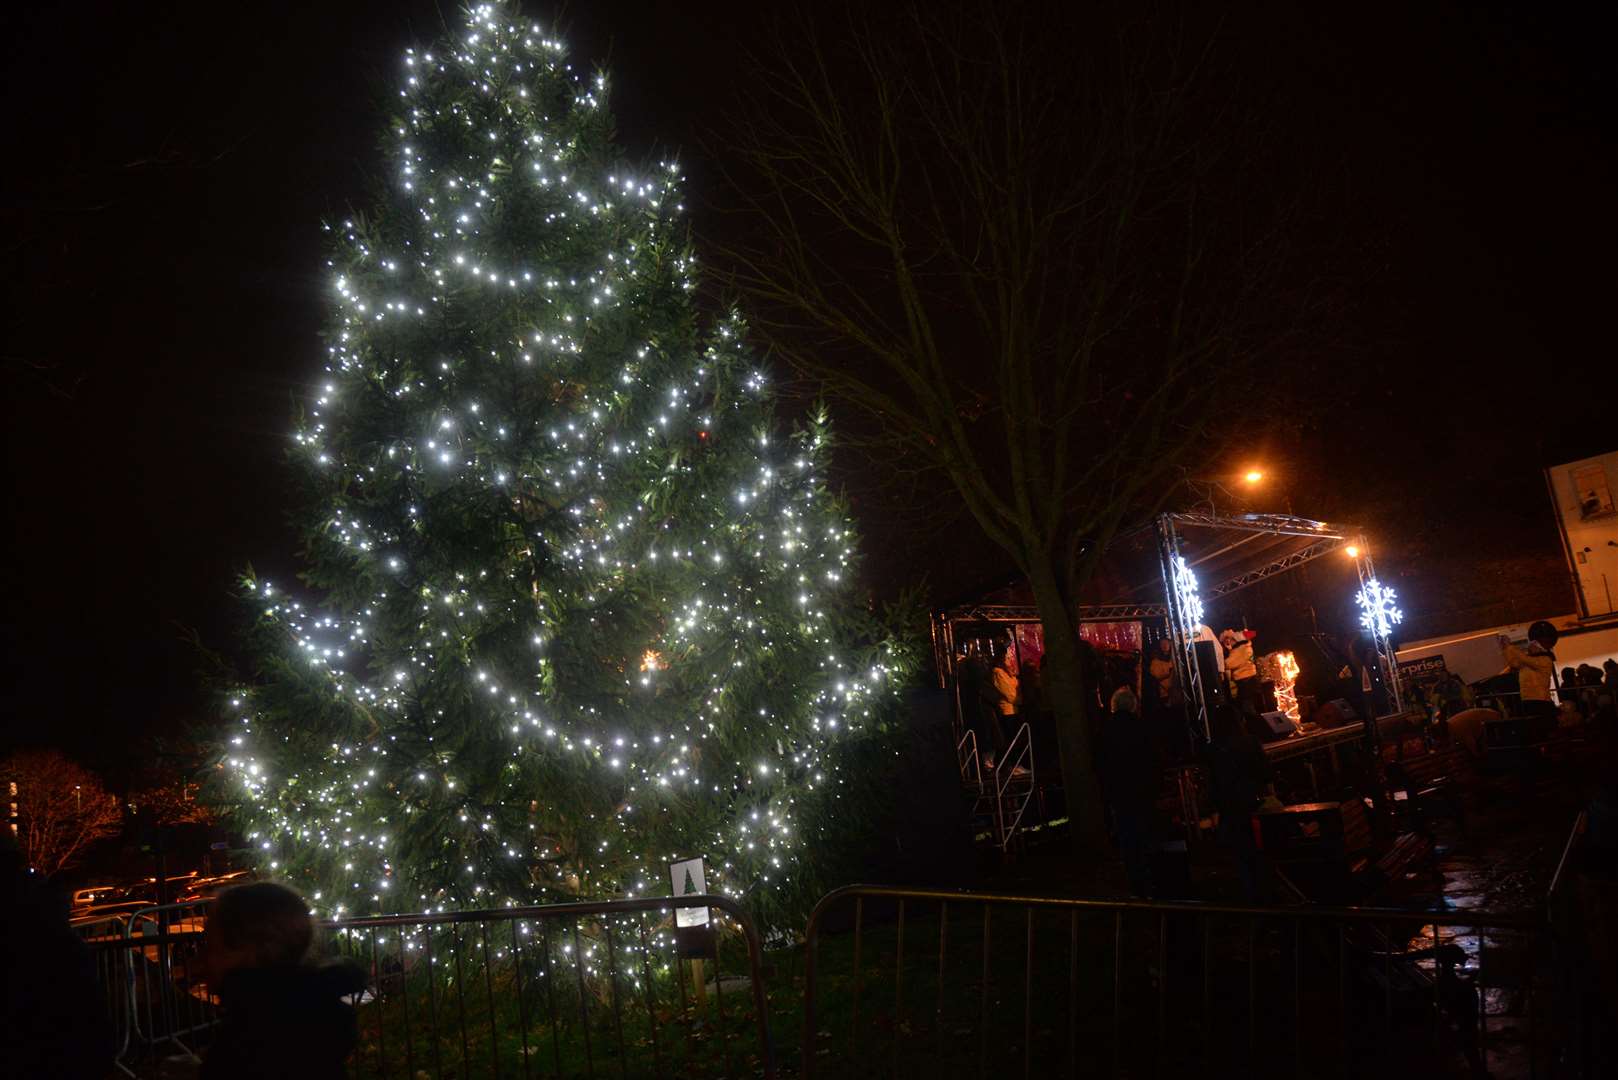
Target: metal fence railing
[
  {"x": 922, "y": 982},
  {"x": 959, "y": 984},
  {"x": 566, "y": 989},
  {"x": 558, "y": 990},
  {"x": 1585, "y": 1045}
]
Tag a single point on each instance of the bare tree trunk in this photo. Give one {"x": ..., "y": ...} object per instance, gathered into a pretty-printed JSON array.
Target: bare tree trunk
[{"x": 1064, "y": 682}]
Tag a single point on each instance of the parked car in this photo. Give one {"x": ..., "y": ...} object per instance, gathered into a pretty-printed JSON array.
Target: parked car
[
  {"x": 209, "y": 887},
  {"x": 95, "y": 894},
  {"x": 176, "y": 887},
  {"x": 106, "y": 920}
]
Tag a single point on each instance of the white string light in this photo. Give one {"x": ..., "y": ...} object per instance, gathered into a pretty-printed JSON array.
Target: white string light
[
  {"x": 1378, "y": 611},
  {"x": 1189, "y": 602}
]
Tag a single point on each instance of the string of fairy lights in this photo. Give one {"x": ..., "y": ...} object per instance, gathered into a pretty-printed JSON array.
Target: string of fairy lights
[{"x": 521, "y": 436}]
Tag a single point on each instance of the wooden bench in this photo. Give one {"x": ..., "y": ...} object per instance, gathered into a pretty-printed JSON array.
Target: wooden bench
[
  {"x": 1358, "y": 879},
  {"x": 1409, "y": 854},
  {"x": 1421, "y": 787},
  {"x": 1324, "y": 852}
]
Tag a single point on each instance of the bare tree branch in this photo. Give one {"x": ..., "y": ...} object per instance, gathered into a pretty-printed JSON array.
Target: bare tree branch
[{"x": 61, "y": 809}]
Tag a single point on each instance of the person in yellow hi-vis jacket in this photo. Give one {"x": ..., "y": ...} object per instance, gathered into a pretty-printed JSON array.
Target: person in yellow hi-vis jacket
[
  {"x": 1006, "y": 695},
  {"x": 1535, "y": 667}
]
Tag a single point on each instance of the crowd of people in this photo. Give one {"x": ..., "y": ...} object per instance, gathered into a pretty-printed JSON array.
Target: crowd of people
[
  {"x": 1141, "y": 732},
  {"x": 1582, "y": 695},
  {"x": 1140, "y": 704},
  {"x": 1588, "y": 694}
]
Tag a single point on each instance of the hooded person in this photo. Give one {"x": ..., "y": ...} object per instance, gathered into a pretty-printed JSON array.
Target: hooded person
[
  {"x": 1165, "y": 679},
  {"x": 284, "y": 1016}
]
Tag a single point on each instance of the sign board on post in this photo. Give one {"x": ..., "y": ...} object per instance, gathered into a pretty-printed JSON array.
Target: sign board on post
[
  {"x": 690, "y": 879},
  {"x": 1428, "y": 667},
  {"x": 1423, "y": 672},
  {"x": 693, "y": 936}
]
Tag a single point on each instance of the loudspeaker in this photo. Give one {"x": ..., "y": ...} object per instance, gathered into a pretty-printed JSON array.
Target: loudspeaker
[
  {"x": 1213, "y": 685},
  {"x": 1336, "y": 714},
  {"x": 1276, "y": 725},
  {"x": 1266, "y": 697}
]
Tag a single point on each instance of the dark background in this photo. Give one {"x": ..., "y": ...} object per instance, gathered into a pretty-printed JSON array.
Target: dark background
[{"x": 169, "y": 166}]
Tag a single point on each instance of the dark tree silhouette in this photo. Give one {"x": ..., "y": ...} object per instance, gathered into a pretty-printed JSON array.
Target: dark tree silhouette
[{"x": 1046, "y": 258}]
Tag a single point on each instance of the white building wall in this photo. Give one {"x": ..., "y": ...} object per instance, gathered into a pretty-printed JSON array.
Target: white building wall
[
  {"x": 1585, "y": 494},
  {"x": 1476, "y": 655}
]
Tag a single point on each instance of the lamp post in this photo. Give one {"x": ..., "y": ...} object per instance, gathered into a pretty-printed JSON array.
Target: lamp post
[
  {"x": 1238, "y": 485},
  {"x": 1256, "y": 477}
]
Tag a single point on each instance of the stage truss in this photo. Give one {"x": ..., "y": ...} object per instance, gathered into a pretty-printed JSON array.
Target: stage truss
[{"x": 1300, "y": 541}]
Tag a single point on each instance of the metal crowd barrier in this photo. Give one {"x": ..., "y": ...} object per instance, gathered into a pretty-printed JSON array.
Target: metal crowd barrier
[
  {"x": 105, "y": 937},
  {"x": 550, "y": 990},
  {"x": 1037, "y": 986},
  {"x": 148, "y": 964}
]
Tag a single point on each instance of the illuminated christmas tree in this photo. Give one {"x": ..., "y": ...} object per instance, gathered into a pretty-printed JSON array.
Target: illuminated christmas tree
[{"x": 578, "y": 606}]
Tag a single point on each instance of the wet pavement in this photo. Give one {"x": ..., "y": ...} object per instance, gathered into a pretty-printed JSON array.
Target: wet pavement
[{"x": 1501, "y": 862}]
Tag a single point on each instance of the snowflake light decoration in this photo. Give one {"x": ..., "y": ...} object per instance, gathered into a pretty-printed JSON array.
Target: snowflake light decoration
[
  {"x": 1378, "y": 612},
  {"x": 1190, "y": 604}
]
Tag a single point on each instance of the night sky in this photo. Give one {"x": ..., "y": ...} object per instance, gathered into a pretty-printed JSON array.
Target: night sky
[{"x": 169, "y": 167}]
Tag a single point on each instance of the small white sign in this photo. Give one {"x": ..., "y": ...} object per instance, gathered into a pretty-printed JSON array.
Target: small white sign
[{"x": 690, "y": 879}]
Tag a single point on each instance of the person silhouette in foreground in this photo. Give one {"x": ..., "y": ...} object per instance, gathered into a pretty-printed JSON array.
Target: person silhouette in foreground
[
  {"x": 53, "y": 1015},
  {"x": 1240, "y": 777},
  {"x": 1131, "y": 773},
  {"x": 283, "y": 1014}
]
